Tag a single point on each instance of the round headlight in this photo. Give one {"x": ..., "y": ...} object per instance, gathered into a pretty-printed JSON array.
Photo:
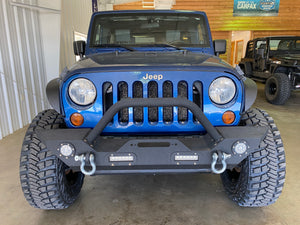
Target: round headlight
[
  {"x": 222, "y": 90},
  {"x": 82, "y": 91}
]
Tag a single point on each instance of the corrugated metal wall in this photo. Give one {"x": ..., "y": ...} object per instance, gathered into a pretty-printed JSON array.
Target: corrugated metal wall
[{"x": 22, "y": 81}]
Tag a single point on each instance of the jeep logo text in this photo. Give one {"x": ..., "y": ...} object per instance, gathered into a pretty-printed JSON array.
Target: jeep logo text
[{"x": 153, "y": 77}]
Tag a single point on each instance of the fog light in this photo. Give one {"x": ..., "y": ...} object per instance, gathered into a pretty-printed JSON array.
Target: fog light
[
  {"x": 186, "y": 157},
  {"x": 240, "y": 147},
  {"x": 66, "y": 150},
  {"x": 125, "y": 158}
]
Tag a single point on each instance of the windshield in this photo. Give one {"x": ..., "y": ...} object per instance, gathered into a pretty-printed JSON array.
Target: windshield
[
  {"x": 281, "y": 46},
  {"x": 146, "y": 30}
]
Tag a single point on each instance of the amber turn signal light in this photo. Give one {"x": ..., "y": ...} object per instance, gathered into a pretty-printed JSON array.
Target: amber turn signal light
[
  {"x": 228, "y": 117},
  {"x": 76, "y": 119}
]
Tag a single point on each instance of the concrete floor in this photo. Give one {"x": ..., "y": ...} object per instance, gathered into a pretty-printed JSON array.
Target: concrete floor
[{"x": 160, "y": 199}]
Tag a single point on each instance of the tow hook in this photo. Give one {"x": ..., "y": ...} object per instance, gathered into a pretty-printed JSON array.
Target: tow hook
[
  {"x": 82, "y": 165},
  {"x": 223, "y": 156}
]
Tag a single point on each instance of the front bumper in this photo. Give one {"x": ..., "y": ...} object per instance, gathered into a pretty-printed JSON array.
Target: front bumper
[{"x": 152, "y": 154}]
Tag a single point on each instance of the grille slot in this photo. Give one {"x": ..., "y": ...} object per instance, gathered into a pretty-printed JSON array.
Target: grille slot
[
  {"x": 115, "y": 92},
  {"x": 168, "y": 93},
  {"x": 152, "y": 93},
  {"x": 123, "y": 93},
  {"x": 197, "y": 96},
  {"x": 138, "y": 114},
  {"x": 182, "y": 92},
  {"x": 107, "y": 96}
]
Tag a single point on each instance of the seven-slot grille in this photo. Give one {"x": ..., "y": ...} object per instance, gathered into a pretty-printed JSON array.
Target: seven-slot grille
[{"x": 168, "y": 90}]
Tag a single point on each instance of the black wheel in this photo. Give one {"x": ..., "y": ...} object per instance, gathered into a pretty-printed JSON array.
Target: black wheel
[
  {"x": 259, "y": 179},
  {"x": 47, "y": 183},
  {"x": 278, "y": 89}
]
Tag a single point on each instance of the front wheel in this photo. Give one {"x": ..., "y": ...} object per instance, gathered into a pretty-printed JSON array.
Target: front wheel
[
  {"x": 47, "y": 182},
  {"x": 259, "y": 179},
  {"x": 278, "y": 89}
]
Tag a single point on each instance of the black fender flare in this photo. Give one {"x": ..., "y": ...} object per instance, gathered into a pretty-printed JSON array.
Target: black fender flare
[
  {"x": 247, "y": 67},
  {"x": 53, "y": 94},
  {"x": 275, "y": 68},
  {"x": 250, "y": 93}
]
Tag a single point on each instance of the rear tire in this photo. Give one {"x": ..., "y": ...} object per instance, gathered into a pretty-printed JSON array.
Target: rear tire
[
  {"x": 47, "y": 182},
  {"x": 259, "y": 179},
  {"x": 278, "y": 89}
]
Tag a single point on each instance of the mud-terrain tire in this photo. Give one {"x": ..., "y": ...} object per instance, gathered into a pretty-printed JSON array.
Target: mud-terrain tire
[
  {"x": 47, "y": 182},
  {"x": 278, "y": 89},
  {"x": 259, "y": 179}
]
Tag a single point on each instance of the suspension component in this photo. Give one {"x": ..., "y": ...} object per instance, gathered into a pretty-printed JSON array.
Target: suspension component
[{"x": 223, "y": 157}]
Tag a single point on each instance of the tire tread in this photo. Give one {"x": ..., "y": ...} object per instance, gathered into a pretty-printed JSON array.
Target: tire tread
[
  {"x": 263, "y": 172},
  {"x": 41, "y": 173},
  {"x": 284, "y": 89}
]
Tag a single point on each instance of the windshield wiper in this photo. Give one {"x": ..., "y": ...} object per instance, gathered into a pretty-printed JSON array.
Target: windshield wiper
[
  {"x": 112, "y": 45},
  {"x": 168, "y": 45}
]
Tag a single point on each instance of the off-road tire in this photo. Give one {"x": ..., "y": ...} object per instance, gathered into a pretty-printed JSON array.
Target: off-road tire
[
  {"x": 278, "y": 89},
  {"x": 47, "y": 183},
  {"x": 259, "y": 179}
]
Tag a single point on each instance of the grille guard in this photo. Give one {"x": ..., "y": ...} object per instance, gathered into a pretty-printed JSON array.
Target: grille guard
[
  {"x": 153, "y": 102},
  {"x": 152, "y": 154}
]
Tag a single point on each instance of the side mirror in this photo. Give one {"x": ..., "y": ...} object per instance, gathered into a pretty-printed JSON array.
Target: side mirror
[
  {"x": 79, "y": 48},
  {"x": 220, "y": 47}
]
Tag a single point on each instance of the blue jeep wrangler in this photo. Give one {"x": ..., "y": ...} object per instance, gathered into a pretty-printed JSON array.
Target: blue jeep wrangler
[{"x": 150, "y": 95}]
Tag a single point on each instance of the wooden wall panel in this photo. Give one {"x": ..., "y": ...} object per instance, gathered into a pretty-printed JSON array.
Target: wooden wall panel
[
  {"x": 220, "y": 15},
  {"x": 226, "y": 35},
  {"x": 257, "y": 34},
  {"x": 129, "y": 6}
]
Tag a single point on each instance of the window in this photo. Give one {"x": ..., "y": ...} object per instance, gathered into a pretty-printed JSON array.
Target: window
[
  {"x": 284, "y": 45},
  {"x": 261, "y": 45},
  {"x": 142, "y": 29},
  {"x": 297, "y": 44}
]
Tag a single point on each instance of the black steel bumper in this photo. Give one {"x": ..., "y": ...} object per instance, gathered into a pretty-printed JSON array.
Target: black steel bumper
[{"x": 153, "y": 154}]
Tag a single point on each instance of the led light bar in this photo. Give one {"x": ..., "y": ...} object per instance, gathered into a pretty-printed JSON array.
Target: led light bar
[
  {"x": 125, "y": 158},
  {"x": 186, "y": 157}
]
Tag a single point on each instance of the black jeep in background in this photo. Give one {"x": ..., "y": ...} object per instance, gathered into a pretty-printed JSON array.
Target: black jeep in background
[{"x": 275, "y": 61}]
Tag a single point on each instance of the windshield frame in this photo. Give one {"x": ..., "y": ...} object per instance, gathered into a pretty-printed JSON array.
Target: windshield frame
[{"x": 207, "y": 35}]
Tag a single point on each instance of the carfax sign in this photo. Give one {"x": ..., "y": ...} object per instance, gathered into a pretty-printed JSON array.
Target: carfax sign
[{"x": 256, "y": 7}]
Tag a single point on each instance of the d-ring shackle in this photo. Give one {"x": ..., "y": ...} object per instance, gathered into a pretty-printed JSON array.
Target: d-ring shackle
[
  {"x": 82, "y": 165},
  {"x": 224, "y": 164}
]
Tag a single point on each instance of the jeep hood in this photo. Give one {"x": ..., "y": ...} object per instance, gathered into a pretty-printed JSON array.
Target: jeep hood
[{"x": 171, "y": 60}]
